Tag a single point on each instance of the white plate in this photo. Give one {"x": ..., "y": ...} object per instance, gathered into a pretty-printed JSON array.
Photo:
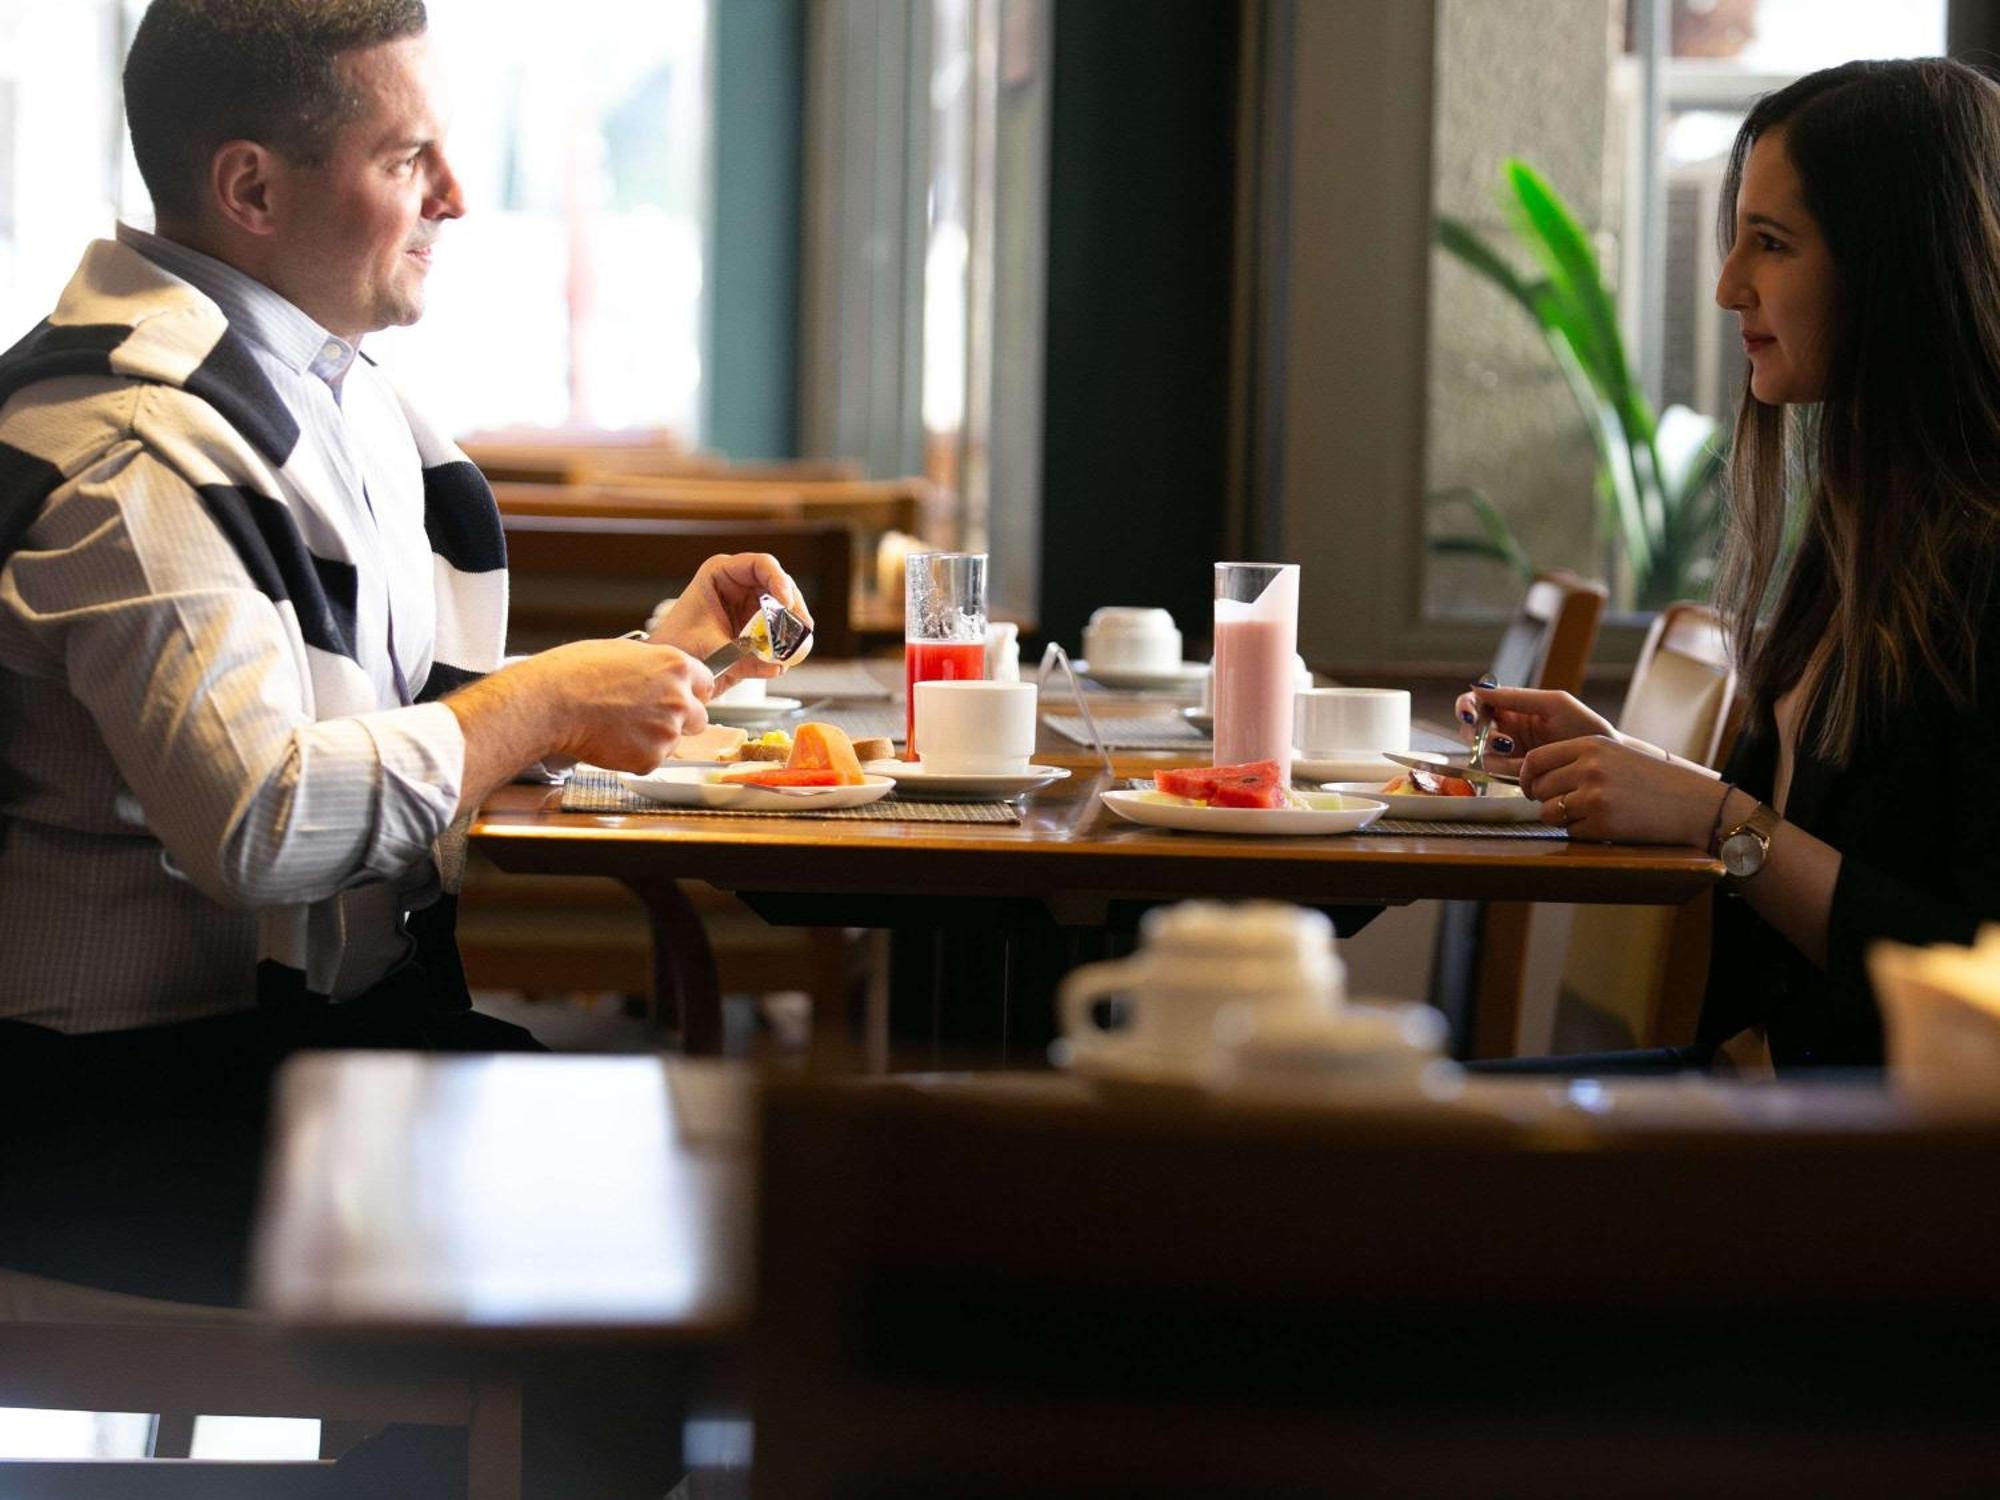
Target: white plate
[
  {"x": 694, "y": 786},
  {"x": 1140, "y": 679},
  {"x": 753, "y": 711},
  {"x": 1502, "y": 806},
  {"x": 1350, "y": 765},
  {"x": 914, "y": 781},
  {"x": 1330, "y": 812},
  {"x": 1199, "y": 719}
]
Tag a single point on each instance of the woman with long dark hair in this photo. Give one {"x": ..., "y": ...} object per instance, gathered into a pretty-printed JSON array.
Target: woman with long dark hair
[{"x": 1862, "y": 239}]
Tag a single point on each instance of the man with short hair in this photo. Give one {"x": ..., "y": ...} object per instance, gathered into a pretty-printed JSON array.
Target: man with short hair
[{"x": 252, "y": 609}]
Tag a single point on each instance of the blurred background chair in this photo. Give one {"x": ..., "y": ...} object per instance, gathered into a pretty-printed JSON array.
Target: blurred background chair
[
  {"x": 574, "y": 577},
  {"x": 1633, "y": 975},
  {"x": 1481, "y": 954}
]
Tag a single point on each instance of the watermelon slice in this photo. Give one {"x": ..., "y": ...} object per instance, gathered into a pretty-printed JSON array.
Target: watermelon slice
[{"x": 1256, "y": 784}]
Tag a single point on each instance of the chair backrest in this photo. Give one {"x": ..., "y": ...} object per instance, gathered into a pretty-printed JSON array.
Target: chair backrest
[
  {"x": 572, "y": 578},
  {"x": 1632, "y": 975},
  {"x": 1019, "y": 1296},
  {"x": 1548, "y": 641}
]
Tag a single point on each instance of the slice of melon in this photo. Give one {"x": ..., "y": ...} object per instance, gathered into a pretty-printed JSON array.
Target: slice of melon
[
  {"x": 826, "y": 747},
  {"x": 784, "y": 776},
  {"x": 1255, "y": 784}
]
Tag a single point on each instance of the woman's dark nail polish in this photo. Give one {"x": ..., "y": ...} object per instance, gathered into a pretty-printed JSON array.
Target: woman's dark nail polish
[
  {"x": 1503, "y": 743},
  {"x": 1468, "y": 716}
]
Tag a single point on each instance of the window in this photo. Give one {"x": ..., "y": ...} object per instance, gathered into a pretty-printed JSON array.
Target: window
[
  {"x": 1629, "y": 110},
  {"x": 572, "y": 292}
]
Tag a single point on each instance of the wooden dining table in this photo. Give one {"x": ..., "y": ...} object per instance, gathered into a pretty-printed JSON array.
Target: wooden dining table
[
  {"x": 1069, "y": 867},
  {"x": 509, "y": 1206}
]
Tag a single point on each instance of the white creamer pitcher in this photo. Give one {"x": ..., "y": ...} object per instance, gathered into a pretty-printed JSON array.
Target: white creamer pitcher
[{"x": 1198, "y": 958}]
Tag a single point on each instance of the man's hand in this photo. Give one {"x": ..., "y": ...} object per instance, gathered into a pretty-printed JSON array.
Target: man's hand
[
  {"x": 622, "y": 704},
  {"x": 719, "y": 602}
]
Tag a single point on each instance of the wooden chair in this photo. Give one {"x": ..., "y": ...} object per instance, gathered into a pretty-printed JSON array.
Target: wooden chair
[
  {"x": 75, "y": 1348},
  {"x": 1482, "y": 947},
  {"x": 572, "y": 578},
  {"x": 573, "y": 455},
  {"x": 1633, "y": 974},
  {"x": 577, "y": 577}
]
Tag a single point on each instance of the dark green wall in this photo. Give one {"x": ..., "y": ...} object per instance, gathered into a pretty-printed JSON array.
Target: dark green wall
[
  {"x": 751, "y": 353},
  {"x": 1140, "y": 204}
]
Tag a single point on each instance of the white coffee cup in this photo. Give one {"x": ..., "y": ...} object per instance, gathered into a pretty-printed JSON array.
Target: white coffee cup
[
  {"x": 1198, "y": 959},
  {"x": 976, "y": 728},
  {"x": 1335, "y": 720},
  {"x": 743, "y": 690},
  {"x": 1128, "y": 638}
]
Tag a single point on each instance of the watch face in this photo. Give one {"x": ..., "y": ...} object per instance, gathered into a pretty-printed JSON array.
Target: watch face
[{"x": 1742, "y": 854}]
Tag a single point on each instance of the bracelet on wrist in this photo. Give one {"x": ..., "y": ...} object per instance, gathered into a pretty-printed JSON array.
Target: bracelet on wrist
[{"x": 1715, "y": 829}]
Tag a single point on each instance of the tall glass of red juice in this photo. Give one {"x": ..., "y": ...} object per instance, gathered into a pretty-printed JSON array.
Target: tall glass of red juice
[{"x": 944, "y": 626}]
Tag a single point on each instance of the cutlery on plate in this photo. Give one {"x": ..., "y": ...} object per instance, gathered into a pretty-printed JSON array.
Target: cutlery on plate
[{"x": 1464, "y": 770}]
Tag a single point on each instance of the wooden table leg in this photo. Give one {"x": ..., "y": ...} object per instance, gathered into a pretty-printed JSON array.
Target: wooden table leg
[{"x": 686, "y": 993}]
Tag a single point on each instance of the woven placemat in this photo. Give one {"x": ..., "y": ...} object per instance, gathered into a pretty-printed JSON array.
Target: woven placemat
[
  {"x": 1428, "y": 829},
  {"x": 591, "y": 790},
  {"x": 864, "y": 721},
  {"x": 1138, "y": 732}
]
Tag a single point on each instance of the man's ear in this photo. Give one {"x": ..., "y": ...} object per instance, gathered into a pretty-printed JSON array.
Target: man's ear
[{"x": 241, "y": 185}]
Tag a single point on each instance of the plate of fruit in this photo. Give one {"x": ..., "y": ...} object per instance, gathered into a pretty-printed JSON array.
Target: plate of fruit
[
  {"x": 1436, "y": 797},
  {"x": 1252, "y": 798},
  {"x": 821, "y": 773}
]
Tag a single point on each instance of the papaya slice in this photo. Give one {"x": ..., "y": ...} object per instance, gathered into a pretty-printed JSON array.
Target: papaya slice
[
  {"x": 826, "y": 747},
  {"x": 785, "y": 776}
]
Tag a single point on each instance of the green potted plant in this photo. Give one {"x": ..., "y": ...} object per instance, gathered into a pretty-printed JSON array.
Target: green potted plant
[{"x": 1658, "y": 478}]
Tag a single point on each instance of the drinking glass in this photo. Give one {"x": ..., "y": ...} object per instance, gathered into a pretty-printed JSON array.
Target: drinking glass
[
  {"x": 1256, "y": 637},
  {"x": 944, "y": 626}
]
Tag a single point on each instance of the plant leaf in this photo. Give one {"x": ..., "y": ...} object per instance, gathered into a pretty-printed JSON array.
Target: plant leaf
[
  {"x": 1498, "y": 542},
  {"x": 1590, "y": 317},
  {"x": 1463, "y": 241}
]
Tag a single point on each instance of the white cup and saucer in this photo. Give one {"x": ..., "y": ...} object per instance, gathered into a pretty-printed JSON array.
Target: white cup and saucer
[
  {"x": 1136, "y": 649},
  {"x": 1342, "y": 733},
  {"x": 1246, "y": 1001},
  {"x": 975, "y": 742}
]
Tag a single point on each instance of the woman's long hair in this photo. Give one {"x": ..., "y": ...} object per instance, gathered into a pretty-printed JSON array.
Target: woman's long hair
[{"x": 1899, "y": 464}]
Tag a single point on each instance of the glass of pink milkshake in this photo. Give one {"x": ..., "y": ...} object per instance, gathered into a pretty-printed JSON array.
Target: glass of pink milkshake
[{"x": 1256, "y": 636}]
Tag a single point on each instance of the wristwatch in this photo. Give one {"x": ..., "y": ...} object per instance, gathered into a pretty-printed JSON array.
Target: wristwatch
[{"x": 1744, "y": 847}]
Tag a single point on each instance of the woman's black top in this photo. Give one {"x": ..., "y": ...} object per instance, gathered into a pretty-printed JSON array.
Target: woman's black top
[{"x": 1916, "y": 818}]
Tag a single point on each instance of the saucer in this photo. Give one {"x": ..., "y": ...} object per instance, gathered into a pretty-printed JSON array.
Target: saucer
[
  {"x": 1350, "y": 765},
  {"x": 1187, "y": 676},
  {"x": 1118, "y": 1071},
  {"x": 753, "y": 711},
  {"x": 912, "y": 780}
]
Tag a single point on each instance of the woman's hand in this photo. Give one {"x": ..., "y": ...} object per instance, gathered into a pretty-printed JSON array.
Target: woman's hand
[
  {"x": 719, "y": 601},
  {"x": 1603, "y": 790},
  {"x": 1524, "y": 719}
]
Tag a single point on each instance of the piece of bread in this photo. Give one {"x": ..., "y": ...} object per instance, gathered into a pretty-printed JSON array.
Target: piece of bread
[
  {"x": 877, "y": 748},
  {"x": 717, "y": 742},
  {"x": 776, "y": 745}
]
